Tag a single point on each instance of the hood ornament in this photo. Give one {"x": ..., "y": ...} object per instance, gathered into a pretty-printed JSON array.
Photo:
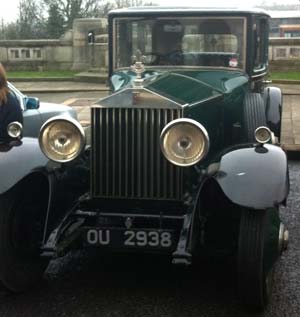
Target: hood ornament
[{"x": 138, "y": 67}]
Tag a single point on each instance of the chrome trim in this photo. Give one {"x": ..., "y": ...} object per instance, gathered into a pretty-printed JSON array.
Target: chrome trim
[
  {"x": 280, "y": 238},
  {"x": 193, "y": 122},
  {"x": 283, "y": 238},
  {"x": 126, "y": 159},
  {"x": 67, "y": 119},
  {"x": 18, "y": 126},
  {"x": 286, "y": 237},
  {"x": 260, "y": 75},
  {"x": 132, "y": 215},
  {"x": 158, "y": 101},
  {"x": 259, "y": 70},
  {"x": 269, "y": 138}
]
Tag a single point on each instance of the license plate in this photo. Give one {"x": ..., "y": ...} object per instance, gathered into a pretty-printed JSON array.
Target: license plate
[{"x": 154, "y": 239}]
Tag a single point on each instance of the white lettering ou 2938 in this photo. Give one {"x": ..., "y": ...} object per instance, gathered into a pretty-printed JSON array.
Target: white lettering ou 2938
[{"x": 98, "y": 237}]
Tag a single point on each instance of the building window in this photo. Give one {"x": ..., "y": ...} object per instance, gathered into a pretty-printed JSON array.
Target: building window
[
  {"x": 281, "y": 52},
  {"x": 294, "y": 52}
]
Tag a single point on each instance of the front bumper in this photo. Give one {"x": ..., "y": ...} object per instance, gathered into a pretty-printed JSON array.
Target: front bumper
[{"x": 116, "y": 231}]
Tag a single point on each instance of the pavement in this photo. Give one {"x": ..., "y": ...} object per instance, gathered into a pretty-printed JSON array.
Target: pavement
[
  {"x": 31, "y": 87},
  {"x": 91, "y": 283},
  {"x": 290, "y": 128},
  {"x": 290, "y": 134}
]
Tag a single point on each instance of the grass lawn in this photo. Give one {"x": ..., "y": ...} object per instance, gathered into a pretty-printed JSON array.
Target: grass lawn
[
  {"x": 285, "y": 75},
  {"x": 292, "y": 75},
  {"x": 45, "y": 74}
]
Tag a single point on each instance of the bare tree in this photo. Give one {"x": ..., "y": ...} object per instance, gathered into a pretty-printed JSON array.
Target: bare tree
[
  {"x": 30, "y": 19},
  {"x": 72, "y": 9},
  {"x": 128, "y": 3}
]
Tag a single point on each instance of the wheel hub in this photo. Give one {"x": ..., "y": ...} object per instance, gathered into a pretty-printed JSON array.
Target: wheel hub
[{"x": 283, "y": 239}]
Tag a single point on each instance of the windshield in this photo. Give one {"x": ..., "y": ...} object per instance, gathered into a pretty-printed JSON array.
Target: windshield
[{"x": 204, "y": 42}]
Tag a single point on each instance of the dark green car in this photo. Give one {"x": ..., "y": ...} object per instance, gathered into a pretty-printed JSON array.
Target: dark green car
[{"x": 183, "y": 157}]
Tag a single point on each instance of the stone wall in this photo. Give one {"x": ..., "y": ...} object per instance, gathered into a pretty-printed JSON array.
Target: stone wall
[
  {"x": 87, "y": 55},
  {"x": 71, "y": 51},
  {"x": 284, "y": 54},
  {"x": 37, "y": 54}
]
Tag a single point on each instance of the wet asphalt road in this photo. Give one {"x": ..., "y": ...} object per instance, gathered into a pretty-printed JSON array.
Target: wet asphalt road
[{"x": 86, "y": 284}]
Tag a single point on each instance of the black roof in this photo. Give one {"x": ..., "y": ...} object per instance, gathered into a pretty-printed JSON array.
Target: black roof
[{"x": 162, "y": 10}]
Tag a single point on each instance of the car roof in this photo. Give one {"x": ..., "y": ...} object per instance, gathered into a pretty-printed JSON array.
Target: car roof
[{"x": 182, "y": 10}]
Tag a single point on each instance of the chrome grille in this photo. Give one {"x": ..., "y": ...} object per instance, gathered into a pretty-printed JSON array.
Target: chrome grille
[{"x": 126, "y": 158}]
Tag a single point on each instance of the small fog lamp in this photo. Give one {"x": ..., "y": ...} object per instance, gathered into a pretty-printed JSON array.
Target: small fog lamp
[
  {"x": 263, "y": 135},
  {"x": 14, "y": 129},
  {"x": 184, "y": 142}
]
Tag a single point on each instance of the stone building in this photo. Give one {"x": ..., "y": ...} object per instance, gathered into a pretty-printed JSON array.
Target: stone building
[
  {"x": 71, "y": 51},
  {"x": 285, "y": 23}
]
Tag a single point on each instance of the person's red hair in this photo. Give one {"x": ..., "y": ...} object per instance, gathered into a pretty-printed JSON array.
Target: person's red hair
[{"x": 3, "y": 86}]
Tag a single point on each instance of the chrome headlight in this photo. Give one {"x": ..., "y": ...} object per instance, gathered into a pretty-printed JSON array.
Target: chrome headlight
[
  {"x": 184, "y": 142},
  {"x": 62, "y": 139},
  {"x": 14, "y": 129},
  {"x": 263, "y": 135}
]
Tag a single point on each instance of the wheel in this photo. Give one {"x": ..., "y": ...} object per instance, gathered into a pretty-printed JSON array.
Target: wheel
[
  {"x": 256, "y": 258},
  {"x": 21, "y": 223},
  {"x": 254, "y": 115}
]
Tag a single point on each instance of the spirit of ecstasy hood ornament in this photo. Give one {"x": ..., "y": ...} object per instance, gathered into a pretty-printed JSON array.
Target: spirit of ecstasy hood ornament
[{"x": 138, "y": 67}]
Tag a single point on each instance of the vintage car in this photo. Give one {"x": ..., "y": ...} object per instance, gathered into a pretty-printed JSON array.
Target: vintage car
[
  {"x": 183, "y": 157},
  {"x": 36, "y": 113}
]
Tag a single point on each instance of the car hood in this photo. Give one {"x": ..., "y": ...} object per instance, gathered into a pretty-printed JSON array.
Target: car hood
[
  {"x": 48, "y": 110},
  {"x": 182, "y": 87}
]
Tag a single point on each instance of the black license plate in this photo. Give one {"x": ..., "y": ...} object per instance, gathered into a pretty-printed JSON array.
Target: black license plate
[{"x": 123, "y": 238}]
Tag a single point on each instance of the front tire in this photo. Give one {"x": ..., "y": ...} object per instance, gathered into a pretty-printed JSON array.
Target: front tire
[
  {"x": 255, "y": 277},
  {"x": 21, "y": 223}
]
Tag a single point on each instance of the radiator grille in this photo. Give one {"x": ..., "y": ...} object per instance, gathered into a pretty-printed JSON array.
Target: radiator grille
[{"x": 126, "y": 158}]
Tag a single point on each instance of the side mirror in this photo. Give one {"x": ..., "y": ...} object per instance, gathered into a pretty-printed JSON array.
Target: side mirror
[{"x": 32, "y": 103}]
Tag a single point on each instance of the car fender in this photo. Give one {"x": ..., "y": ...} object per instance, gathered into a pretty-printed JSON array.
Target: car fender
[
  {"x": 254, "y": 177},
  {"x": 273, "y": 102},
  {"x": 16, "y": 162}
]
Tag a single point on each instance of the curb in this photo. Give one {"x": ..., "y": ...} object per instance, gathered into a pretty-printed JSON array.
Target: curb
[
  {"x": 61, "y": 90},
  {"x": 39, "y": 79},
  {"x": 285, "y": 81}
]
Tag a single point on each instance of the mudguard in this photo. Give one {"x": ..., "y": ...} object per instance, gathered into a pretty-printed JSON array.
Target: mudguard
[
  {"x": 18, "y": 161},
  {"x": 255, "y": 177},
  {"x": 273, "y": 102}
]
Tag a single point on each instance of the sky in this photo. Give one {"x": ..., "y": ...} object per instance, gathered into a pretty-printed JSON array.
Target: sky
[{"x": 9, "y": 9}]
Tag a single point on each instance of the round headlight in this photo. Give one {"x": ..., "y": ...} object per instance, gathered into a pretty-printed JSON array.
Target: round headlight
[
  {"x": 184, "y": 142},
  {"x": 263, "y": 135},
  {"x": 14, "y": 129},
  {"x": 61, "y": 139}
]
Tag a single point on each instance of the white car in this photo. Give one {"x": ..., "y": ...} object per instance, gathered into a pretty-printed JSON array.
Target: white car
[{"x": 35, "y": 113}]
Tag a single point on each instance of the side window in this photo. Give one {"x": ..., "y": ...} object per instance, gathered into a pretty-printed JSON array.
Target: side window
[{"x": 260, "y": 33}]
